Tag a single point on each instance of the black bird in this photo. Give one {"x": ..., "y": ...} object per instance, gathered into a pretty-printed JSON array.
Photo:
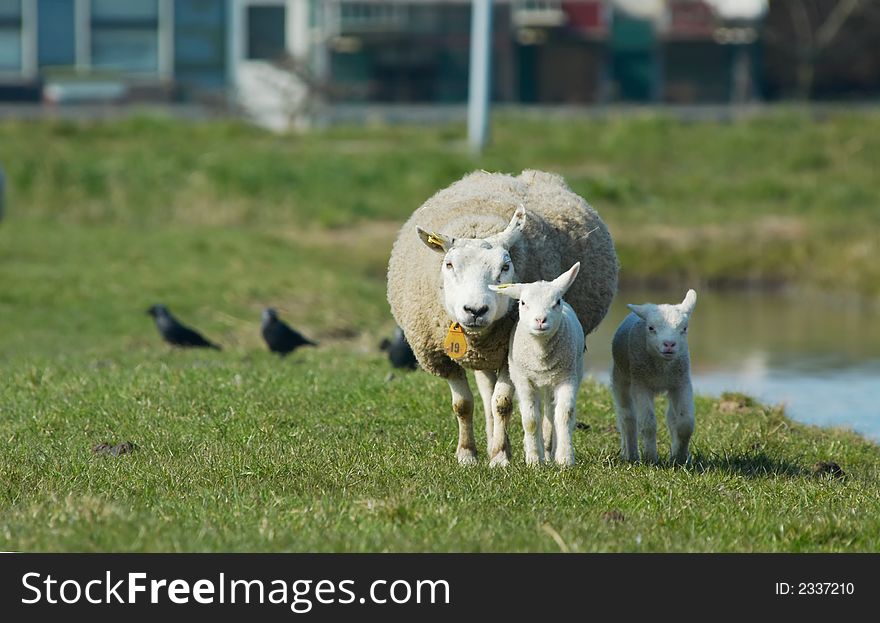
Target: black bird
[
  {"x": 279, "y": 336},
  {"x": 175, "y": 333},
  {"x": 399, "y": 352}
]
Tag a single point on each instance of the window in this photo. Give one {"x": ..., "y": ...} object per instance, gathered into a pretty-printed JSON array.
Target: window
[
  {"x": 55, "y": 36},
  {"x": 10, "y": 35},
  {"x": 125, "y": 35},
  {"x": 265, "y": 32},
  {"x": 200, "y": 42}
]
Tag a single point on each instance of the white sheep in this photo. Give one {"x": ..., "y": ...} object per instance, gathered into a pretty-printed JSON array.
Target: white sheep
[
  {"x": 461, "y": 241},
  {"x": 650, "y": 352},
  {"x": 546, "y": 364}
]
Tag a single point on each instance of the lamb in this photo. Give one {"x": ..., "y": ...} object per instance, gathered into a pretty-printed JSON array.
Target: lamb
[
  {"x": 546, "y": 364},
  {"x": 464, "y": 239},
  {"x": 650, "y": 354}
]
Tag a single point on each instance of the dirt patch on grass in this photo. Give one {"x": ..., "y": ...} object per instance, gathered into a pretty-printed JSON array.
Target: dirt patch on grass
[
  {"x": 368, "y": 234},
  {"x": 827, "y": 468}
]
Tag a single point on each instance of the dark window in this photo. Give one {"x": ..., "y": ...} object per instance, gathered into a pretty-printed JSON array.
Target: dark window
[
  {"x": 265, "y": 32},
  {"x": 125, "y": 35},
  {"x": 55, "y": 32},
  {"x": 10, "y": 35},
  {"x": 200, "y": 42}
]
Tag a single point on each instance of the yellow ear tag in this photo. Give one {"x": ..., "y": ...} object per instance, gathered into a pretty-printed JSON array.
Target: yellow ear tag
[
  {"x": 435, "y": 240},
  {"x": 455, "y": 343}
]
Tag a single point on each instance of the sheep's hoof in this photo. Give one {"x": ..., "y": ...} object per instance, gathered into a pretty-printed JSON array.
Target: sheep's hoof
[
  {"x": 566, "y": 461},
  {"x": 533, "y": 461},
  {"x": 500, "y": 460},
  {"x": 466, "y": 456}
]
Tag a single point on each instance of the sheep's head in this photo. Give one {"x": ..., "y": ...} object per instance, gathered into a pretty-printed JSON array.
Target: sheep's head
[
  {"x": 540, "y": 303},
  {"x": 666, "y": 326},
  {"x": 469, "y": 267}
]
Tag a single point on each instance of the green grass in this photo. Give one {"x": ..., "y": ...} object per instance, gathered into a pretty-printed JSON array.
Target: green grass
[
  {"x": 238, "y": 451},
  {"x": 779, "y": 198},
  {"x": 241, "y": 451}
]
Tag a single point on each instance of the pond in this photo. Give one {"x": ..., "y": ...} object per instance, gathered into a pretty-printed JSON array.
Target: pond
[{"x": 818, "y": 357}]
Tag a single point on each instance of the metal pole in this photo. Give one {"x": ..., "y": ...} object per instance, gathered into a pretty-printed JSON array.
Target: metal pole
[{"x": 478, "y": 88}]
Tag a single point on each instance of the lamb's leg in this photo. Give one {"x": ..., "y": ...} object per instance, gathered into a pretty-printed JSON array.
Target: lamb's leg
[
  {"x": 502, "y": 406},
  {"x": 626, "y": 419},
  {"x": 643, "y": 405},
  {"x": 486, "y": 384},
  {"x": 463, "y": 406},
  {"x": 530, "y": 408},
  {"x": 564, "y": 398},
  {"x": 680, "y": 420},
  {"x": 547, "y": 426}
]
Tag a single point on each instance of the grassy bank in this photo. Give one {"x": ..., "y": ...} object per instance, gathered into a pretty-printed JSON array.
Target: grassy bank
[
  {"x": 772, "y": 200},
  {"x": 241, "y": 451}
]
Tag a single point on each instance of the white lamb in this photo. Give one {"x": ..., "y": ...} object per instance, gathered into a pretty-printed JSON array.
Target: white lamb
[
  {"x": 546, "y": 364},
  {"x": 650, "y": 353}
]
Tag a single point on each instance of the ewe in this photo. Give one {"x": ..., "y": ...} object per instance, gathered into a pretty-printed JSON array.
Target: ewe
[
  {"x": 546, "y": 364},
  {"x": 650, "y": 353},
  {"x": 461, "y": 241}
]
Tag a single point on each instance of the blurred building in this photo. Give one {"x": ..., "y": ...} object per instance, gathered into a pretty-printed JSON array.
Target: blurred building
[
  {"x": 415, "y": 51},
  {"x": 79, "y": 50}
]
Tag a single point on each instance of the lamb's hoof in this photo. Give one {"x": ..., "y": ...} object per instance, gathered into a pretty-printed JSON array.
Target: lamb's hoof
[
  {"x": 500, "y": 460},
  {"x": 533, "y": 461},
  {"x": 680, "y": 461},
  {"x": 466, "y": 456},
  {"x": 629, "y": 458}
]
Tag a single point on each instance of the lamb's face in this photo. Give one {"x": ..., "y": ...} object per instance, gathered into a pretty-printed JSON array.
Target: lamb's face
[
  {"x": 540, "y": 308},
  {"x": 469, "y": 267},
  {"x": 666, "y": 326},
  {"x": 540, "y": 303}
]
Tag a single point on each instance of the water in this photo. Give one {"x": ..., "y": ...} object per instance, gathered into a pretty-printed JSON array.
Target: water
[{"x": 818, "y": 357}]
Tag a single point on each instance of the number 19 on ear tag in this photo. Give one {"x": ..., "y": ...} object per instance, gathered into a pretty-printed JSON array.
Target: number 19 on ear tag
[{"x": 455, "y": 343}]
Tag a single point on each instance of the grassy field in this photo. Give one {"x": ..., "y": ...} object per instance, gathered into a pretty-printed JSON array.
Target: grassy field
[
  {"x": 776, "y": 199},
  {"x": 241, "y": 451}
]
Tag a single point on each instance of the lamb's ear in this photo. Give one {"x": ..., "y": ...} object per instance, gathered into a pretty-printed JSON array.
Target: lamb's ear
[
  {"x": 690, "y": 300},
  {"x": 563, "y": 282},
  {"x": 512, "y": 290},
  {"x": 513, "y": 231},
  {"x": 642, "y": 311},
  {"x": 440, "y": 243}
]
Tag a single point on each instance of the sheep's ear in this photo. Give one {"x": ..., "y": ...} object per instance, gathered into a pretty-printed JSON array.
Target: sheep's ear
[
  {"x": 690, "y": 300},
  {"x": 642, "y": 311},
  {"x": 440, "y": 243},
  {"x": 511, "y": 290},
  {"x": 513, "y": 231},
  {"x": 563, "y": 282}
]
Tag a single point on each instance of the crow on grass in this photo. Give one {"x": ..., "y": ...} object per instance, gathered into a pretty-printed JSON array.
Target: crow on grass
[
  {"x": 399, "y": 352},
  {"x": 175, "y": 333},
  {"x": 280, "y": 338}
]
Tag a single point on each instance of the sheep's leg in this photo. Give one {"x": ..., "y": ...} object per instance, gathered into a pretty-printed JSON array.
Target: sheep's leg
[
  {"x": 564, "y": 398},
  {"x": 547, "y": 425},
  {"x": 530, "y": 408},
  {"x": 680, "y": 420},
  {"x": 502, "y": 406},
  {"x": 486, "y": 384},
  {"x": 643, "y": 405},
  {"x": 626, "y": 420},
  {"x": 463, "y": 406}
]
